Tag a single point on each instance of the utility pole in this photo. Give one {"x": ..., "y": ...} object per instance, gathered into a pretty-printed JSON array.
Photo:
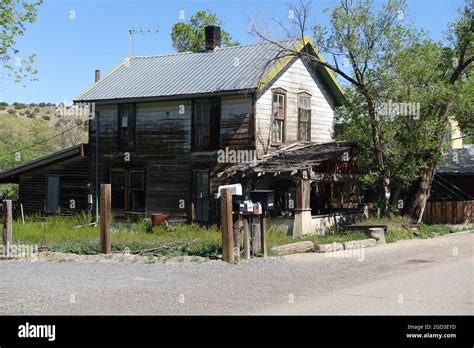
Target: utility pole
[{"x": 132, "y": 32}]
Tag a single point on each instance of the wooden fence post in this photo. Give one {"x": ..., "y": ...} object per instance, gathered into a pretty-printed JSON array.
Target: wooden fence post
[
  {"x": 236, "y": 237},
  {"x": 227, "y": 226},
  {"x": 246, "y": 238},
  {"x": 105, "y": 217},
  {"x": 263, "y": 232},
  {"x": 7, "y": 227}
]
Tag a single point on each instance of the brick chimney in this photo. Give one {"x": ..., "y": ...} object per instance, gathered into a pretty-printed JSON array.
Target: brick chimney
[
  {"x": 213, "y": 37},
  {"x": 97, "y": 75}
]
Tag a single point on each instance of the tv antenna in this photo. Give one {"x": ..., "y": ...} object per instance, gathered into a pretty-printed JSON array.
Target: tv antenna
[{"x": 132, "y": 32}]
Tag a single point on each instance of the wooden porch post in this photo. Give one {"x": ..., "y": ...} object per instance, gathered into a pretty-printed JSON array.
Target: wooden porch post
[
  {"x": 302, "y": 222},
  {"x": 7, "y": 227}
]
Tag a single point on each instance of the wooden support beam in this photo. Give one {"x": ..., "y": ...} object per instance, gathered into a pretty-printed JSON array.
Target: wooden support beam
[
  {"x": 105, "y": 217},
  {"x": 246, "y": 238},
  {"x": 227, "y": 226},
  {"x": 263, "y": 234},
  {"x": 303, "y": 193},
  {"x": 236, "y": 237},
  {"x": 7, "y": 227}
]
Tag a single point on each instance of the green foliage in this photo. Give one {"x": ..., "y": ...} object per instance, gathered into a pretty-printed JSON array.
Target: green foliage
[
  {"x": 189, "y": 36},
  {"x": 429, "y": 231},
  {"x": 3, "y": 104},
  {"x": 46, "y": 117},
  {"x": 11, "y": 111},
  {"x": 74, "y": 235},
  {"x": 14, "y": 15},
  {"x": 394, "y": 234},
  {"x": 19, "y": 106},
  {"x": 413, "y": 70},
  {"x": 42, "y": 104},
  {"x": 16, "y": 139}
]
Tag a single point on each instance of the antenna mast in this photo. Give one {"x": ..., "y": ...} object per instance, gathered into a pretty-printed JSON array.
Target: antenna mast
[{"x": 132, "y": 32}]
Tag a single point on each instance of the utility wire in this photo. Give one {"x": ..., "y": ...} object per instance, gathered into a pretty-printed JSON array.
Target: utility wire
[{"x": 44, "y": 140}]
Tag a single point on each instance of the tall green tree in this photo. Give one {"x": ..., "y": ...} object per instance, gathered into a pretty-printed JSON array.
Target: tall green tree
[
  {"x": 452, "y": 95},
  {"x": 14, "y": 15},
  {"x": 363, "y": 40},
  {"x": 189, "y": 36}
]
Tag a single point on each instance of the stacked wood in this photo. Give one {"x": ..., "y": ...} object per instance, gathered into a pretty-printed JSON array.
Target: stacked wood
[{"x": 299, "y": 247}]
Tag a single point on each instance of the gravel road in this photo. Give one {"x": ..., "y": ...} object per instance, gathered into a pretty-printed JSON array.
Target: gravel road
[{"x": 433, "y": 276}]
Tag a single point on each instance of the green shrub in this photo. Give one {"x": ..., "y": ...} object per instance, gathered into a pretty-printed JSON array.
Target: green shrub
[
  {"x": 3, "y": 107},
  {"x": 46, "y": 117},
  {"x": 394, "y": 234},
  {"x": 11, "y": 112},
  {"x": 19, "y": 106},
  {"x": 3, "y": 103},
  {"x": 42, "y": 104}
]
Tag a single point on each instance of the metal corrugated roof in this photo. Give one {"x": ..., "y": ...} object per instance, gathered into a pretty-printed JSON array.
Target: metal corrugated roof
[
  {"x": 225, "y": 69},
  {"x": 458, "y": 161}
]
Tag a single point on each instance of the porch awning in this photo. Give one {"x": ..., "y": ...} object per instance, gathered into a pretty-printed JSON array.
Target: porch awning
[{"x": 294, "y": 157}]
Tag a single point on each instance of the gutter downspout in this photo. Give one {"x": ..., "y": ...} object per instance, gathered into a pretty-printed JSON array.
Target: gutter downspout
[{"x": 97, "y": 168}]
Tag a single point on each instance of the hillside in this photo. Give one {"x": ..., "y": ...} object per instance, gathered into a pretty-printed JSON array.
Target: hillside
[{"x": 30, "y": 131}]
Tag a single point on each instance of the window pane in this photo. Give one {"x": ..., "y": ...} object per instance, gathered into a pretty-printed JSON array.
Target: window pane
[
  {"x": 137, "y": 180},
  {"x": 278, "y": 130},
  {"x": 202, "y": 123},
  {"x": 304, "y": 102},
  {"x": 124, "y": 121}
]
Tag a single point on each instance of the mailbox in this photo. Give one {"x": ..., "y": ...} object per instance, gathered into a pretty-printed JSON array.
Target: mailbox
[
  {"x": 237, "y": 203},
  {"x": 264, "y": 197}
]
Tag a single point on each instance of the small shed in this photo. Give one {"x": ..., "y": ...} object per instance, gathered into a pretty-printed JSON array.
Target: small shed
[{"x": 56, "y": 183}]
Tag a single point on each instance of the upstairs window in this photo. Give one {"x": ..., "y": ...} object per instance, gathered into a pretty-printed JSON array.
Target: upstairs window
[
  {"x": 126, "y": 127},
  {"x": 279, "y": 114},
  {"x": 304, "y": 117},
  {"x": 206, "y": 130}
]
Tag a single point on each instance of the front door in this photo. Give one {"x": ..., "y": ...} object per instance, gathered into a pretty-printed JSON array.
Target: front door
[
  {"x": 52, "y": 193},
  {"x": 117, "y": 182},
  {"x": 201, "y": 195},
  {"x": 128, "y": 189}
]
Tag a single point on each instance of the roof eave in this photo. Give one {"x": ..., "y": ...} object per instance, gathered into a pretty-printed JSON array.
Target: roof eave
[
  {"x": 11, "y": 175},
  {"x": 168, "y": 97}
]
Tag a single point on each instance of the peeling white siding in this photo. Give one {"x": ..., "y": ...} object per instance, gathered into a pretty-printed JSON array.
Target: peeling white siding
[{"x": 297, "y": 78}]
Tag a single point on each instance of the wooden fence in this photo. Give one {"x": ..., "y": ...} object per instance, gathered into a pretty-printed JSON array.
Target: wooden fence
[{"x": 457, "y": 212}]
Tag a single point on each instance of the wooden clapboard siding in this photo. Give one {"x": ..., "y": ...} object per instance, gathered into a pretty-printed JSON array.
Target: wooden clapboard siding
[
  {"x": 73, "y": 182},
  {"x": 236, "y": 122},
  {"x": 458, "y": 212},
  {"x": 163, "y": 148},
  {"x": 295, "y": 79}
]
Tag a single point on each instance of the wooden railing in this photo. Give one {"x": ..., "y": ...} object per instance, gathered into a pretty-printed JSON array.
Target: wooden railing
[{"x": 456, "y": 212}]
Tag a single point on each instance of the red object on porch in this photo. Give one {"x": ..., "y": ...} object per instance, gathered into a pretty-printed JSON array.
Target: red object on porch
[{"x": 159, "y": 218}]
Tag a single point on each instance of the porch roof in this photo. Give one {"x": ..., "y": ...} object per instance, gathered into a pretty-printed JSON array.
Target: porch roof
[{"x": 295, "y": 156}]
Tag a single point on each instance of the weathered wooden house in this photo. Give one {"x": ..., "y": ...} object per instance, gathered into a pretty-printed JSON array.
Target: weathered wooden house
[
  {"x": 168, "y": 130},
  {"x": 169, "y": 126}
]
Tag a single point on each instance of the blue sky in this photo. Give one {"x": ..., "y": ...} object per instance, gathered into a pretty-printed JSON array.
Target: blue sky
[{"x": 69, "y": 46}]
